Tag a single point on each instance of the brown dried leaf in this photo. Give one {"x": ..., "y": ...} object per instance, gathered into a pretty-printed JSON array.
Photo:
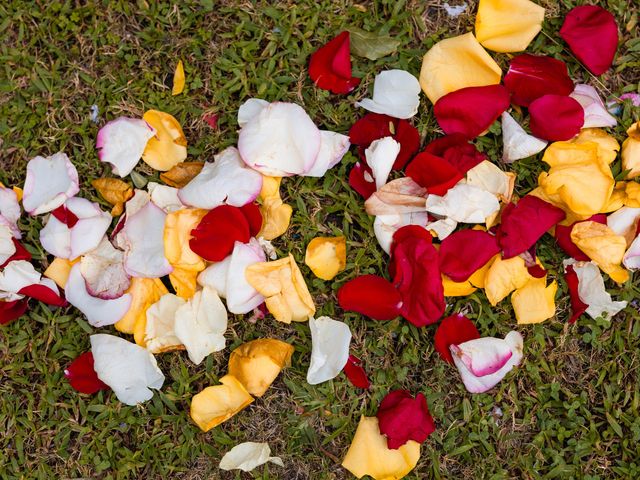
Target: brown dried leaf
[{"x": 181, "y": 174}]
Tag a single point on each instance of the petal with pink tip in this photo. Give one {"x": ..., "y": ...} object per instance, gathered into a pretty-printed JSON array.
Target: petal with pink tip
[
  {"x": 631, "y": 258},
  {"x": 483, "y": 356},
  {"x": 333, "y": 146},
  {"x": 121, "y": 143},
  {"x": 10, "y": 211},
  {"x": 225, "y": 181},
  {"x": 250, "y": 109},
  {"x": 99, "y": 312},
  {"x": 595, "y": 113},
  {"x": 50, "y": 182},
  {"x": 103, "y": 271}
]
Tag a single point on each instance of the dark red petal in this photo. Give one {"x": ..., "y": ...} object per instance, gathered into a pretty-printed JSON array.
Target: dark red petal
[
  {"x": 372, "y": 296},
  {"x": 409, "y": 139},
  {"x": 555, "y": 117},
  {"x": 456, "y": 150},
  {"x": 563, "y": 238},
  {"x": 402, "y": 418},
  {"x": 464, "y": 252},
  {"x": 534, "y": 269},
  {"x": 532, "y": 76},
  {"x": 416, "y": 275},
  {"x": 251, "y": 212},
  {"x": 433, "y": 173},
  {"x": 592, "y": 35},
  {"x": 358, "y": 182},
  {"x": 212, "y": 120},
  {"x": 578, "y": 307},
  {"x": 453, "y": 330},
  {"x": 355, "y": 373},
  {"x": 215, "y": 235},
  {"x": 523, "y": 224},
  {"x": 9, "y": 311},
  {"x": 470, "y": 111},
  {"x": 65, "y": 215},
  {"x": 330, "y": 66},
  {"x": 43, "y": 294},
  {"x": 81, "y": 375},
  {"x": 21, "y": 253}
]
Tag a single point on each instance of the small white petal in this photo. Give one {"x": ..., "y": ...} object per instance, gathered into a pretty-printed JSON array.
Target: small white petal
[
  {"x": 333, "y": 146},
  {"x": 130, "y": 370},
  {"x": 165, "y": 197},
  {"x": 464, "y": 203},
  {"x": 247, "y": 456},
  {"x": 160, "y": 328},
  {"x": 395, "y": 93},
  {"x": 384, "y": 226},
  {"x": 592, "y": 292},
  {"x": 380, "y": 156},
  {"x": 10, "y": 211},
  {"x": 103, "y": 271},
  {"x": 595, "y": 113},
  {"x": 250, "y": 109},
  {"x": 50, "y": 182},
  {"x": 330, "y": 349},
  {"x": 518, "y": 144},
  {"x": 121, "y": 143}
]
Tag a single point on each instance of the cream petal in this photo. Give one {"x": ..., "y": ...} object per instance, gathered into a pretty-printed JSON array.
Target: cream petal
[
  {"x": 399, "y": 196},
  {"x": 595, "y": 113},
  {"x": 333, "y": 146},
  {"x": 130, "y": 370},
  {"x": 591, "y": 291},
  {"x": 395, "y": 93},
  {"x": 103, "y": 271},
  {"x": 49, "y": 183},
  {"x": 241, "y": 296},
  {"x": 225, "y": 181},
  {"x": 443, "y": 227},
  {"x": 121, "y": 143},
  {"x": 490, "y": 178},
  {"x": 165, "y": 197},
  {"x": 160, "y": 327},
  {"x": 380, "y": 156},
  {"x": 249, "y": 109},
  {"x": 464, "y": 203},
  {"x": 330, "y": 349},
  {"x": 247, "y": 456},
  {"x": 516, "y": 143},
  {"x": 631, "y": 258},
  {"x": 7, "y": 247},
  {"x": 384, "y": 226}
]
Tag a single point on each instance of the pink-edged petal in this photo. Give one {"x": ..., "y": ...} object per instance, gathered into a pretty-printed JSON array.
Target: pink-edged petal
[
  {"x": 380, "y": 157},
  {"x": 475, "y": 384},
  {"x": 225, "y": 181},
  {"x": 483, "y": 356},
  {"x": 50, "y": 182},
  {"x": 121, "y": 143},
  {"x": 19, "y": 278},
  {"x": 250, "y": 109},
  {"x": 333, "y": 146},
  {"x": 631, "y": 258},
  {"x": 595, "y": 113},
  {"x": 624, "y": 222},
  {"x": 281, "y": 140},
  {"x": 103, "y": 271},
  {"x": 142, "y": 239},
  {"x": 395, "y": 93},
  {"x": 10, "y": 211},
  {"x": 99, "y": 312},
  {"x": 518, "y": 144}
]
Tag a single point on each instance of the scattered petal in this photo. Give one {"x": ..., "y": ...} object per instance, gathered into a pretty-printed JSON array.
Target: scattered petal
[
  {"x": 380, "y": 157},
  {"x": 326, "y": 256},
  {"x": 372, "y": 296},
  {"x": 181, "y": 174},
  {"x": 505, "y": 276},
  {"x": 631, "y": 151},
  {"x": 276, "y": 215},
  {"x": 168, "y": 146},
  {"x": 144, "y": 293},
  {"x": 214, "y": 237},
  {"x": 333, "y": 147},
  {"x": 433, "y": 173},
  {"x": 595, "y": 113},
  {"x": 82, "y": 376},
  {"x": 114, "y": 191},
  {"x": 214, "y": 405},
  {"x": 103, "y": 271},
  {"x": 372, "y": 45},
  {"x": 395, "y": 93},
  {"x": 518, "y": 144},
  {"x": 508, "y": 26},
  {"x": 453, "y": 330},
  {"x": 402, "y": 418},
  {"x": 50, "y": 182},
  {"x": 532, "y": 76},
  {"x": 159, "y": 335},
  {"x": 466, "y": 251},
  {"x": 592, "y": 292},
  {"x": 567, "y": 115},
  {"x": 385, "y": 226},
  {"x": 602, "y": 246},
  {"x": 578, "y": 307},
  {"x": 330, "y": 349},
  {"x": 488, "y": 176},
  {"x": 121, "y": 143},
  {"x": 535, "y": 301},
  {"x": 464, "y": 203},
  {"x": 356, "y": 373},
  {"x": 330, "y": 66},
  {"x": 247, "y": 456},
  {"x": 178, "y": 79}
]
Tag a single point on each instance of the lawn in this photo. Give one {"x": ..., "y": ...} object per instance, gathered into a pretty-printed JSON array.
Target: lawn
[{"x": 570, "y": 411}]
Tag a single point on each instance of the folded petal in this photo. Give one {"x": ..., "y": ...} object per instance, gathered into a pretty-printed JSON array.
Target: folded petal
[
  {"x": 508, "y": 26},
  {"x": 578, "y": 307},
  {"x": 49, "y": 183},
  {"x": 178, "y": 79},
  {"x": 372, "y": 296},
  {"x": 395, "y": 93},
  {"x": 505, "y": 276},
  {"x": 144, "y": 293},
  {"x": 567, "y": 115},
  {"x": 466, "y": 251},
  {"x": 592, "y": 292},
  {"x": 562, "y": 235},
  {"x": 326, "y": 256},
  {"x": 402, "y": 418},
  {"x": 330, "y": 341},
  {"x": 535, "y": 301},
  {"x": 455, "y": 63},
  {"x": 631, "y": 151},
  {"x": 121, "y": 143},
  {"x": 159, "y": 335},
  {"x": 330, "y": 66},
  {"x": 82, "y": 376},
  {"x": 532, "y": 76},
  {"x": 464, "y": 203},
  {"x": 453, "y": 330},
  {"x": 216, "y": 404},
  {"x": 276, "y": 215},
  {"x": 595, "y": 113},
  {"x": 384, "y": 226},
  {"x": 433, "y": 173},
  {"x": 518, "y": 144},
  {"x": 168, "y": 146},
  {"x": 356, "y": 373},
  {"x": 333, "y": 147},
  {"x": 456, "y": 150},
  {"x": 247, "y": 456},
  {"x": 602, "y": 246},
  {"x": 380, "y": 157},
  {"x": 103, "y": 271}
]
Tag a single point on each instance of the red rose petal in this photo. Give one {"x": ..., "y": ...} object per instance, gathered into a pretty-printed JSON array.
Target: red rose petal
[
  {"x": 402, "y": 418},
  {"x": 215, "y": 235},
  {"x": 251, "y": 212},
  {"x": 355, "y": 373},
  {"x": 82, "y": 377},
  {"x": 21, "y": 253},
  {"x": 456, "y": 150},
  {"x": 9, "y": 311},
  {"x": 523, "y": 224},
  {"x": 563, "y": 238},
  {"x": 532, "y": 76},
  {"x": 530, "y": 261},
  {"x": 372, "y": 296},
  {"x": 43, "y": 294},
  {"x": 453, "y": 330},
  {"x": 555, "y": 117},
  {"x": 464, "y": 252},
  {"x": 578, "y": 307},
  {"x": 433, "y": 173},
  {"x": 358, "y": 182},
  {"x": 592, "y": 35},
  {"x": 65, "y": 215},
  {"x": 212, "y": 120},
  {"x": 416, "y": 275},
  {"x": 330, "y": 66},
  {"x": 470, "y": 111}
]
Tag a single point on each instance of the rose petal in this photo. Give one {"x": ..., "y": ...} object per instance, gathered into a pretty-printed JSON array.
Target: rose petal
[
  {"x": 433, "y": 173},
  {"x": 11, "y": 310},
  {"x": 361, "y": 179},
  {"x": 103, "y": 271},
  {"x": 631, "y": 151},
  {"x": 144, "y": 293},
  {"x": 178, "y": 79},
  {"x": 20, "y": 278},
  {"x": 82, "y": 376},
  {"x": 49, "y": 183},
  {"x": 567, "y": 115},
  {"x": 385, "y": 226},
  {"x": 562, "y": 235},
  {"x": 466, "y": 251},
  {"x": 518, "y": 144},
  {"x": 214, "y": 237},
  {"x": 624, "y": 222},
  {"x": 631, "y": 259},
  {"x": 578, "y": 307},
  {"x": 168, "y": 146},
  {"x": 326, "y": 256},
  {"x": 380, "y": 157},
  {"x": 402, "y": 418},
  {"x": 356, "y": 373},
  {"x": 250, "y": 109},
  {"x": 595, "y": 113},
  {"x": 453, "y": 330},
  {"x": 330, "y": 349},
  {"x": 333, "y": 147},
  {"x": 508, "y": 26},
  {"x": 10, "y": 211},
  {"x": 504, "y": 276},
  {"x": 456, "y": 150},
  {"x": 395, "y": 93},
  {"x": 165, "y": 197},
  {"x": 592, "y": 292},
  {"x": 532, "y": 76},
  {"x": 464, "y": 203},
  {"x": 330, "y": 66},
  {"x": 399, "y": 196},
  {"x": 535, "y": 301},
  {"x": 160, "y": 333},
  {"x": 121, "y": 143},
  {"x": 247, "y": 456},
  {"x": 602, "y": 246},
  {"x": 276, "y": 215},
  {"x": 372, "y": 296},
  {"x": 216, "y": 404}
]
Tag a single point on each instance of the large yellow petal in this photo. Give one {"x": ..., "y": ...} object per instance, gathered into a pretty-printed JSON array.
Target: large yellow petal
[
  {"x": 216, "y": 404},
  {"x": 456, "y": 63},
  {"x": 608, "y": 146},
  {"x": 326, "y": 256},
  {"x": 631, "y": 151},
  {"x": 168, "y": 146},
  {"x": 256, "y": 364},
  {"x": 535, "y": 301},
  {"x": 59, "y": 269},
  {"x": 505, "y": 276},
  {"x": 508, "y": 25},
  {"x": 369, "y": 455},
  {"x": 184, "y": 282},
  {"x": 603, "y": 246},
  {"x": 632, "y": 194},
  {"x": 144, "y": 293},
  {"x": 282, "y": 284},
  {"x": 457, "y": 289}
]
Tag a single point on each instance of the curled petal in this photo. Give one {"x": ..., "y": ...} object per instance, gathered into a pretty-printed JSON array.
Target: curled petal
[
  {"x": 330, "y": 349},
  {"x": 578, "y": 307},
  {"x": 121, "y": 143},
  {"x": 508, "y": 26},
  {"x": 144, "y": 293},
  {"x": 567, "y": 115},
  {"x": 333, "y": 147},
  {"x": 330, "y": 66},
  {"x": 595, "y": 113},
  {"x": 372, "y": 296},
  {"x": 214, "y": 405},
  {"x": 276, "y": 215},
  {"x": 250, "y": 109},
  {"x": 488, "y": 176},
  {"x": 159, "y": 335},
  {"x": 592, "y": 292},
  {"x": 247, "y": 456},
  {"x": 518, "y": 144},
  {"x": 326, "y": 256},
  {"x": 19, "y": 278},
  {"x": 356, "y": 373},
  {"x": 464, "y": 203},
  {"x": 82, "y": 376},
  {"x": 395, "y": 93},
  {"x": 399, "y": 196},
  {"x": 402, "y": 418},
  {"x": 168, "y": 146},
  {"x": 453, "y": 330},
  {"x": 50, "y": 182},
  {"x": 103, "y": 271},
  {"x": 531, "y": 76},
  {"x": 380, "y": 157}
]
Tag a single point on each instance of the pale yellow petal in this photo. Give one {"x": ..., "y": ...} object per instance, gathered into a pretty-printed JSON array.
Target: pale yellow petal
[
  {"x": 631, "y": 151},
  {"x": 177, "y": 233},
  {"x": 608, "y": 146},
  {"x": 535, "y": 301},
  {"x": 603, "y": 246},
  {"x": 178, "y": 79},
  {"x": 144, "y": 293},
  {"x": 505, "y": 276},
  {"x": 508, "y": 25},
  {"x": 59, "y": 269},
  {"x": 168, "y": 146}
]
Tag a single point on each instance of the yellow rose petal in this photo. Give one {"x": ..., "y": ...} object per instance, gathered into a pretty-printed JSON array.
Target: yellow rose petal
[
  {"x": 256, "y": 364},
  {"x": 456, "y": 63},
  {"x": 505, "y": 276},
  {"x": 276, "y": 215},
  {"x": 178, "y": 79},
  {"x": 603, "y": 246},
  {"x": 631, "y": 151},
  {"x": 326, "y": 256},
  {"x": 177, "y": 233},
  {"x": 214, "y": 405},
  {"x": 144, "y": 293},
  {"x": 59, "y": 269},
  {"x": 632, "y": 194},
  {"x": 608, "y": 146},
  {"x": 508, "y": 25},
  {"x": 369, "y": 455},
  {"x": 282, "y": 284},
  {"x": 184, "y": 282},
  {"x": 535, "y": 301},
  {"x": 168, "y": 146},
  {"x": 457, "y": 289}
]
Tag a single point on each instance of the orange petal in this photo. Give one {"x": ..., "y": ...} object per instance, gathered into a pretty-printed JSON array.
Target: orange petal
[
  {"x": 214, "y": 405},
  {"x": 326, "y": 256}
]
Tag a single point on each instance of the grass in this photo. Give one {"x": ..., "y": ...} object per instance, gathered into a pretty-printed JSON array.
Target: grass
[{"x": 570, "y": 411}]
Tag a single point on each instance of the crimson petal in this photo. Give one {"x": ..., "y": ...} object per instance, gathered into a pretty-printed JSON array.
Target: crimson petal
[
  {"x": 330, "y": 66},
  {"x": 456, "y": 150},
  {"x": 372, "y": 296},
  {"x": 251, "y": 212},
  {"x": 465, "y": 251},
  {"x": 470, "y": 111},
  {"x": 578, "y": 307},
  {"x": 82, "y": 376},
  {"x": 433, "y": 173},
  {"x": 555, "y": 117},
  {"x": 532, "y": 76},
  {"x": 402, "y": 418},
  {"x": 592, "y": 35},
  {"x": 9, "y": 311},
  {"x": 453, "y": 330},
  {"x": 21, "y": 253},
  {"x": 43, "y": 294},
  {"x": 357, "y": 180},
  {"x": 215, "y": 235},
  {"x": 65, "y": 215},
  {"x": 355, "y": 373},
  {"x": 523, "y": 224},
  {"x": 563, "y": 238}
]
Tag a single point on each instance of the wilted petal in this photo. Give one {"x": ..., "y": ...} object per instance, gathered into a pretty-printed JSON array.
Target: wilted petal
[
  {"x": 535, "y": 301},
  {"x": 592, "y": 292},
  {"x": 159, "y": 329},
  {"x": 395, "y": 93},
  {"x": 518, "y": 144},
  {"x": 442, "y": 228},
  {"x": 508, "y": 26},
  {"x": 103, "y": 271},
  {"x": 453, "y": 330},
  {"x": 402, "y": 418},
  {"x": 330, "y": 66},
  {"x": 330, "y": 349},
  {"x": 567, "y": 115},
  {"x": 130, "y": 370},
  {"x": 214, "y": 405},
  {"x": 248, "y": 456},
  {"x": 399, "y": 196},
  {"x": 372, "y": 296},
  {"x": 532, "y": 76},
  {"x": 121, "y": 143},
  {"x": 595, "y": 113},
  {"x": 82, "y": 376},
  {"x": 168, "y": 146},
  {"x": 326, "y": 256},
  {"x": 464, "y": 203},
  {"x": 50, "y": 182}
]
